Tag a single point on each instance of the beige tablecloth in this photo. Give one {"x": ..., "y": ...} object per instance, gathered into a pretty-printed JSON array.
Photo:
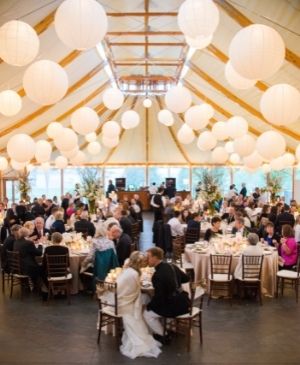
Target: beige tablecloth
[{"x": 75, "y": 263}]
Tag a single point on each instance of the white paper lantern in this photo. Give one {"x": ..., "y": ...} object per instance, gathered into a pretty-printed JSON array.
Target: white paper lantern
[
  {"x": 219, "y": 130},
  {"x": 43, "y": 151},
  {"x": 110, "y": 142},
  {"x": 66, "y": 140},
  {"x": 111, "y": 129},
  {"x": 18, "y": 166},
  {"x": 199, "y": 42},
  {"x": 234, "y": 158},
  {"x": 79, "y": 159},
  {"x": 237, "y": 127},
  {"x": 288, "y": 159},
  {"x": 113, "y": 98},
  {"x": 71, "y": 153},
  {"x": 219, "y": 155},
  {"x": 185, "y": 134},
  {"x": 130, "y": 119},
  {"x": 10, "y": 103},
  {"x": 280, "y": 104},
  {"x": 297, "y": 152},
  {"x": 257, "y": 51},
  {"x": 80, "y": 24},
  {"x": 178, "y": 99},
  {"x": 198, "y": 18},
  {"x": 3, "y": 163},
  {"x": 244, "y": 145},
  {"x": 84, "y": 120},
  {"x": 61, "y": 162},
  {"x": 19, "y": 43},
  {"x": 91, "y": 137},
  {"x": 45, "y": 82},
  {"x": 94, "y": 148},
  {"x": 236, "y": 80},
  {"x": 277, "y": 164},
  {"x": 147, "y": 103},
  {"x": 253, "y": 161},
  {"x": 54, "y": 129},
  {"x": 165, "y": 117},
  {"x": 229, "y": 147},
  {"x": 21, "y": 147},
  {"x": 270, "y": 145},
  {"x": 197, "y": 116},
  {"x": 206, "y": 141},
  {"x": 266, "y": 168}
]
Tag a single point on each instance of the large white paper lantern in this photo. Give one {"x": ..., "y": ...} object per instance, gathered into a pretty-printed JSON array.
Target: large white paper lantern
[
  {"x": 236, "y": 80},
  {"x": 61, "y": 162},
  {"x": 45, "y": 82},
  {"x": 266, "y": 168},
  {"x": 71, "y": 153},
  {"x": 185, "y": 134},
  {"x": 219, "y": 155},
  {"x": 110, "y": 142},
  {"x": 130, "y": 119},
  {"x": 54, "y": 129},
  {"x": 234, "y": 158},
  {"x": 80, "y": 24},
  {"x": 198, "y": 18},
  {"x": 219, "y": 130},
  {"x": 113, "y": 98},
  {"x": 66, "y": 140},
  {"x": 244, "y": 145},
  {"x": 165, "y": 117},
  {"x": 297, "y": 152},
  {"x": 19, "y": 43},
  {"x": 178, "y": 99},
  {"x": 111, "y": 129},
  {"x": 280, "y": 104},
  {"x": 91, "y": 137},
  {"x": 84, "y": 120},
  {"x": 199, "y": 42},
  {"x": 79, "y": 159},
  {"x": 43, "y": 151},
  {"x": 288, "y": 159},
  {"x": 197, "y": 116},
  {"x": 253, "y": 161},
  {"x": 206, "y": 141},
  {"x": 237, "y": 127},
  {"x": 94, "y": 148},
  {"x": 229, "y": 147},
  {"x": 21, "y": 147},
  {"x": 277, "y": 164},
  {"x": 270, "y": 145},
  {"x": 147, "y": 103},
  {"x": 257, "y": 51},
  {"x": 18, "y": 166},
  {"x": 3, "y": 163},
  {"x": 10, "y": 103}
]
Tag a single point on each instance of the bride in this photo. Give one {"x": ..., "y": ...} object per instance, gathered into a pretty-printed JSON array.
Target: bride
[{"x": 136, "y": 339}]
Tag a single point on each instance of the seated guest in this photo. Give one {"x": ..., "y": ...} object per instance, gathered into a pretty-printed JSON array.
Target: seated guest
[
  {"x": 273, "y": 214},
  {"x": 177, "y": 228},
  {"x": 70, "y": 210},
  {"x": 54, "y": 249},
  {"x": 229, "y": 217},
  {"x": 288, "y": 247},
  {"x": 297, "y": 229},
  {"x": 167, "y": 301},
  {"x": 270, "y": 235},
  {"x": 253, "y": 249},
  {"x": 38, "y": 209},
  {"x": 194, "y": 223},
  {"x": 20, "y": 211},
  {"x": 84, "y": 226},
  {"x": 58, "y": 225},
  {"x": 285, "y": 217},
  {"x": 239, "y": 228},
  {"x": 214, "y": 230},
  {"x": 30, "y": 226},
  {"x": 50, "y": 220},
  {"x": 125, "y": 222},
  {"x": 8, "y": 245},
  {"x": 8, "y": 222},
  {"x": 48, "y": 207},
  {"x": 39, "y": 231},
  {"x": 264, "y": 212},
  {"x": 122, "y": 242},
  {"x": 186, "y": 216},
  {"x": 262, "y": 227}
]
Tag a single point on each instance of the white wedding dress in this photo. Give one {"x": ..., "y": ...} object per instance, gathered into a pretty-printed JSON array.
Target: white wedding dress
[{"x": 136, "y": 339}]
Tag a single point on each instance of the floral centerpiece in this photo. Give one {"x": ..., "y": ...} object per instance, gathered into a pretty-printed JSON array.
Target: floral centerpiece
[
  {"x": 91, "y": 188},
  {"x": 273, "y": 185},
  {"x": 210, "y": 192},
  {"x": 24, "y": 186}
]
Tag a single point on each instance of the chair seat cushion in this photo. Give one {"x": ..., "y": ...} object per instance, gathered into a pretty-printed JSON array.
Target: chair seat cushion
[
  {"x": 220, "y": 277},
  {"x": 251, "y": 280},
  {"x": 287, "y": 274},
  {"x": 20, "y": 276},
  {"x": 60, "y": 278},
  {"x": 195, "y": 311},
  {"x": 110, "y": 312}
]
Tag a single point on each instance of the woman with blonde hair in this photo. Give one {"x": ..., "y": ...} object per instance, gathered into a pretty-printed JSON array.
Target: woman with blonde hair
[{"x": 30, "y": 226}]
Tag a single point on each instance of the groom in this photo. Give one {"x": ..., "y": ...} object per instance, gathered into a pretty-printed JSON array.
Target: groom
[{"x": 167, "y": 301}]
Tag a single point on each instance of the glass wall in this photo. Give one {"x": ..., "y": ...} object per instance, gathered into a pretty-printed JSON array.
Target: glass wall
[
  {"x": 159, "y": 174},
  {"x": 135, "y": 176},
  {"x": 251, "y": 179},
  {"x": 286, "y": 176},
  {"x": 45, "y": 182}
]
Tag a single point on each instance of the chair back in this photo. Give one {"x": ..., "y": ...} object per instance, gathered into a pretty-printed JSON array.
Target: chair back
[
  {"x": 57, "y": 265},
  {"x": 14, "y": 262},
  {"x": 197, "y": 292},
  {"x": 220, "y": 264},
  {"x": 251, "y": 267},
  {"x": 192, "y": 235},
  {"x": 107, "y": 295},
  {"x": 135, "y": 233},
  {"x": 167, "y": 238},
  {"x": 177, "y": 250}
]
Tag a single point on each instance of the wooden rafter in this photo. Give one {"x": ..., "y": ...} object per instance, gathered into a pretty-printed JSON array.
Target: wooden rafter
[
  {"x": 142, "y": 14},
  {"x": 144, "y": 33},
  {"x": 150, "y": 44}
]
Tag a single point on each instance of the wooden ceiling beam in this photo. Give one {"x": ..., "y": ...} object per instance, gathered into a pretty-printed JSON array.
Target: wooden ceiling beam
[
  {"x": 142, "y": 14},
  {"x": 175, "y": 64},
  {"x": 150, "y": 44},
  {"x": 158, "y": 78},
  {"x": 144, "y": 33}
]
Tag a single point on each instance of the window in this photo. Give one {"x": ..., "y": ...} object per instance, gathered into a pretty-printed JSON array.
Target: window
[
  {"x": 159, "y": 175},
  {"x": 251, "y": 179},
  {"x": 287, "y": 183},
  {"x": 222, "y": 173},
  {"x": 72, "y": 177},
  {"x": 135, "y": 176},
  {"x": 45, "y": 182}
]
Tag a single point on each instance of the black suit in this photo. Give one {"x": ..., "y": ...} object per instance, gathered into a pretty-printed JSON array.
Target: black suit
[
  {"x": 8, "y": 245},
  {"x": 85, "y": 227},
  {"x": 125, "y": 225},
  {"x": 39, "y": 234},
  {"x": 192, "y": 224},
  {"x": 284, "y": 218},
  {"x": 245, "y": 231},
  {"x": 158, "y": 211},
  {"x": 170, "y": 191},
  {"x": 123, "y": 248},
  {"x": 164, "y": 302},
  {"x": 228, "y": 218}
]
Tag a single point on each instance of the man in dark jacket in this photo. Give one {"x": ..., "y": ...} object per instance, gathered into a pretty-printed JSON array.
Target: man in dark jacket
[
  {"x": 157, "y": 204},
  {"x": 284, "y": 218},
  {"x": 8, "y": 245},
  {"x": 125, "y": 222},
  {"x": 84, "y": 226},
  {"x": 122, "y": 242}
]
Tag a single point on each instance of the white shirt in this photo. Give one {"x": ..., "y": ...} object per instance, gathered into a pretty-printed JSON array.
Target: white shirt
[
  {"x": 153, "y": 189},
  {"x": 297, "y": 232},
  {"x": 50, "y": 220},
  {"x": 231, "y": 194},
  {"x": 176, "y": 227},
  {"x": 248, "y": 251}
]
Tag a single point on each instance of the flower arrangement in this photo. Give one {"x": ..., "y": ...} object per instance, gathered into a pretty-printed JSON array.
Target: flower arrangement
[
  {"x": 210, "y": 192},
  {"x": 273, "y": 185},
  {"x": 24, "y": 186},
  {"x": 91, "y": 187}
]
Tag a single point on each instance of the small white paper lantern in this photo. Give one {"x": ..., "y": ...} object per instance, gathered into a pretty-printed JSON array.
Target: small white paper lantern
[
  {"x": 237, "y": 127},
  {"x": 66, "y": 140},
  {"x": 219, "y": 130},
  {"x": 45, "y": 82},
  {"x": 257, "y": 51},
  {"x": 253, "y": 161},
  {"x": 234, "y": 158},
  {"x": 178, "y": 99},
  {"x": 219, "y": 155},
  {"x": 244, "y": 145},
  {"x": 147, "y": 103},
  {"x": 199, "y": 42},
  {"x": 19, "y": 43},
  {"x": 111, "y": 129},
  {"x": 113, "y": 98},
  {"x": 185, "y": 134},
  {"x": 266, "y": 168},
  {"x": 110, "y": 142},
  {"x": 43, "y": 151},
  {"x": 70, "y": 154},
  {"x": 280, "y": 104},
  {"x": 21, "y": 147},
  {"x": 206, "y": 141},
  {"x": 297, "y": 152},
  {"x": 198, "y": 18},
  {"x": 3, "y": 163},
  {"x": 236, "y": 80},
  {"x": 229, "y": 147},
  {"x": 54, "y": 129},
  {"x": 18, "y": 166},
  {"x": 61, "y": 162},
  {"x": 277, "y": 164},
  {"x": 165, "y": 117},
  {"x": 130, "y": 119},
  {"x": 94, "y": 148},
  {"x": 91, "y": 137},
  {"x": 10, "y": 103},
  {"x": 270, "y": 145},
  {"x": 84, "y": 120},
  {"x": 288, "y": 159},
  {"x": 79, "y": 159},
  {"x": 80, "y": 24},
  {"x": 197, "y": 116}
]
